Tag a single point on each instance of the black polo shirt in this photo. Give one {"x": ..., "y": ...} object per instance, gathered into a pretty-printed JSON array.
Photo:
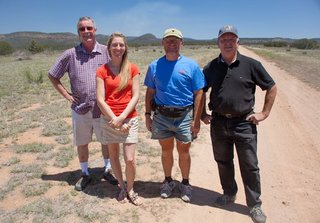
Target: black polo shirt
[{"x": 233, "y": 87}]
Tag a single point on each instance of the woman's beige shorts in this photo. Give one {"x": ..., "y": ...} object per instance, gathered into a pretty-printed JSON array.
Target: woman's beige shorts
[{"x": 111, "y": 135}]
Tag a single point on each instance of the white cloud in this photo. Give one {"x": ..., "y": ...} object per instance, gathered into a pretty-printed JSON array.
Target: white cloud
[{"x": 144, "y": 17}]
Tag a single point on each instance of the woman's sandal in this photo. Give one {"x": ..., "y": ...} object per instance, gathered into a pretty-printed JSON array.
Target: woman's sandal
[
  {"x": 134, "y": 198},
  {"x": 122, "y": 197}
]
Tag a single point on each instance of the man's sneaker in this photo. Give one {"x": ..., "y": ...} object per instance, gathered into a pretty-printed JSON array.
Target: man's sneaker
[
  {"x": 166, "y": 189},
  {"x": 83, "y": 182},
  {"x": 186, "y": 192},
  {"x": 257, "y": 215},
  {"x": 225, "y": 199},
  {"x": 110, "y": 178}
]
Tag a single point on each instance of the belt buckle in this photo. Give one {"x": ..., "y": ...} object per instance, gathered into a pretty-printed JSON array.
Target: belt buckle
[{"x": 228, "y": 115}]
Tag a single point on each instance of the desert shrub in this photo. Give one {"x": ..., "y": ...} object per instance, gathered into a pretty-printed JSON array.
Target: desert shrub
[
  {"x": 31, "y": 171},
  {"x": 46, "y": 156},
  {"x": 34, "y": 78},
  {"x": 13, "y": 182},
  {"x": 305, "y": 44},
  {"x": 33, "y": 148},
  {"x": 64, "y": 156},
  {"x": 35, "y": 189},
  {"x": 34, "y": 47},
  {"x": 11, "y": 161},
  {"x": 63, "y": 139},
  {"x": 57, "y": 127},
  {"x": 15, "y": 127},
  {"x": 276, "y": 44},
  {"x": 5, "y": 48}
]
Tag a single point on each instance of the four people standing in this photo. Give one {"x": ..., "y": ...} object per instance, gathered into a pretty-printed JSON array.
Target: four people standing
[
  {"x": 174, "y": 83},
  {"x": 233, "y": 78},
  {"x": 174, "y": 104}
]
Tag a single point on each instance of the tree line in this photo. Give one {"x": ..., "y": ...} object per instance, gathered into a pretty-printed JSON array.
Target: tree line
[
  {"x": 303, "y": 44},
  {"x": 34, "y": 47}
]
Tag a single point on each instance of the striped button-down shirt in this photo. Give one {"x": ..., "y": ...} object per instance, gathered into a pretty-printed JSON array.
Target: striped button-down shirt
[{"x": 81, "y": 67}]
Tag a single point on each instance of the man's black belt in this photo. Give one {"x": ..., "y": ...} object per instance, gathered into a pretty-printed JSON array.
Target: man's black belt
[
  {"x": 172, "y": 111},
  {"x": 173, "y": 108},
  {"x": 230, "y": 116}
]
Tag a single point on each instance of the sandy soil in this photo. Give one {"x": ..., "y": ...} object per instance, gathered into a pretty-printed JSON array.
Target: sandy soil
[{"x": 289, "y": 160}]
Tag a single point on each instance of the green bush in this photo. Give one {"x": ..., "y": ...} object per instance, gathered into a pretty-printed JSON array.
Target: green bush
[
  {"x": 305, "y": 44},
  {"x": 5, "y": 48},
  {"x": 276, "y": 44},
  {"x": 34, "y": 78},
  {"x": 34, "y": 47}
]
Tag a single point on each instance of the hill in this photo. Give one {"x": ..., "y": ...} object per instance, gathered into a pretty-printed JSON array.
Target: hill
[{"x": 20, "y": 40}]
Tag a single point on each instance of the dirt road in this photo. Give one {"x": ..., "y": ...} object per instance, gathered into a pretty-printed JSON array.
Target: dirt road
[{"x": 288, "y": 149}]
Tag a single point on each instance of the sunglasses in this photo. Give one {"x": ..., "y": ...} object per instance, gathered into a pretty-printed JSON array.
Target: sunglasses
[{"x": 83, "y": 28}]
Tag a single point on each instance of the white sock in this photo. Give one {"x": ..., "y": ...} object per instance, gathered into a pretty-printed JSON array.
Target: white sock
[
  {"x": 107, "y": 165},
  {"x": 84, "y": 168}
]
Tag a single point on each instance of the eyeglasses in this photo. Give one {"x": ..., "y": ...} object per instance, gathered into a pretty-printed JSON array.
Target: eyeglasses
[{"x": 83, "y": 28}]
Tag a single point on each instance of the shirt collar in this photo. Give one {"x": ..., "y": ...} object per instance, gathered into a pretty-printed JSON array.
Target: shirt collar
[
  {"x": 97, "y": 48},
  {"x": 222, "y": 61}
]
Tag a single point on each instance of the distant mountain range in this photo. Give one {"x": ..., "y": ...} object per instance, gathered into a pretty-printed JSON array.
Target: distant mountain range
[{"x": 20, "y": 40}]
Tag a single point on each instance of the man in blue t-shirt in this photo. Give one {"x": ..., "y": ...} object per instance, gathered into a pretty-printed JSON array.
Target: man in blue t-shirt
[{"x": 174, "y": 88}]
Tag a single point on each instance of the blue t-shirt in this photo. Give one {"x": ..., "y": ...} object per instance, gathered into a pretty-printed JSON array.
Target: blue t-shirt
[{"x": 174, "y": 81}]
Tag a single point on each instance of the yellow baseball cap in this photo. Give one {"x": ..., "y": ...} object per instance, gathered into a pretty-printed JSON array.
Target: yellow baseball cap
[{"x": 172, "y": 32}]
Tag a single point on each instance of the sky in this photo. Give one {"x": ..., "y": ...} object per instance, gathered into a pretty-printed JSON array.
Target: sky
[{"x": 197, "y": 19}]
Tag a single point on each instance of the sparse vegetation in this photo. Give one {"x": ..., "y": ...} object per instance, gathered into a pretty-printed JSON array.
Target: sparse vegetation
[
  {"x": 34, "y": 47},
  {"x": 11, "y": 184},
  {"x": 276, "y": 44},
  {"x": 305, "y": 44},
  {"x": 291, "y": 61},
  {"x": 35, "y": 189},
  {"x": 33, "y": 148},
  {"x": 56, "y": 127},
  {"x": 6, "y": 48},
  {"x": 31, "y": 171},
  {"x": 64, "y": 156},
  {"x": 34, "y": 78},
  {"x": 63, "y": 139},
  {"x": 12, "y": 161}
]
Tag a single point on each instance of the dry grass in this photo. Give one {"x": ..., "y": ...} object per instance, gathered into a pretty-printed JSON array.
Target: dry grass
[{"x": 303, "y": 64}]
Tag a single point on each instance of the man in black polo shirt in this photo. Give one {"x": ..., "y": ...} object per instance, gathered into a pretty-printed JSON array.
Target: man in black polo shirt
[{"x": 233, "y": 79}]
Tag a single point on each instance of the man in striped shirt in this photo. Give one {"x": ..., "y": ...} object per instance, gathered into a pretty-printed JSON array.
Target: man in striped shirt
[{"x": 80, "y": 63}]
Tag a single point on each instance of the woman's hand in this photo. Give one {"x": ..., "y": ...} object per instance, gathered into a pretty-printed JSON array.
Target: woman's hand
[{"x": 116, "y": 122}]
